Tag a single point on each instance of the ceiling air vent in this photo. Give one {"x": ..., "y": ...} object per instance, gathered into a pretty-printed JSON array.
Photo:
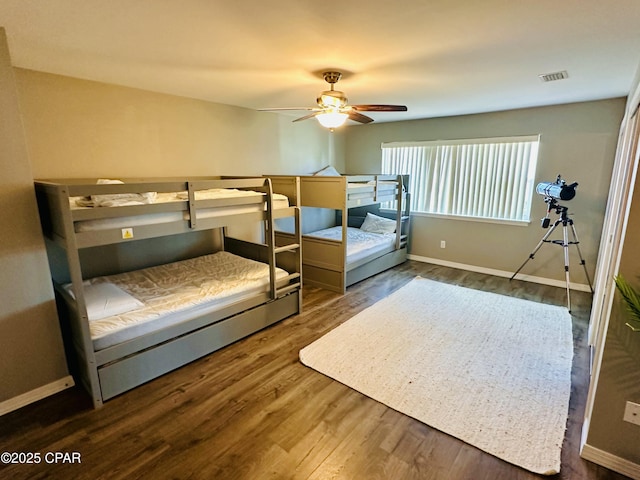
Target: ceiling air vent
[{"x": 551, "y": 77}]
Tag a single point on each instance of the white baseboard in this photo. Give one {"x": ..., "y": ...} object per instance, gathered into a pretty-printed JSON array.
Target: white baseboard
[
  {"x": 501, "y": 273},
  {"x": 35, "y": 395},
  {"x": 610, "y": 461}
]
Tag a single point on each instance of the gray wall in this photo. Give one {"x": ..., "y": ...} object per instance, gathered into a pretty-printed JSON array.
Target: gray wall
[
  {"x": 31, "y": 352},
  {"x": 577, "y": 141},
  {"x": 78, "y": 128}
]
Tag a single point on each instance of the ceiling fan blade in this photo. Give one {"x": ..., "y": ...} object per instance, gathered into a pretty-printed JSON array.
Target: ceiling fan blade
[
  {"x": 311, "y": 115},
  {"x": 380, "y": 108},
  {"x": 358, "y": 117},
  {"x": 277, "y": 109}
]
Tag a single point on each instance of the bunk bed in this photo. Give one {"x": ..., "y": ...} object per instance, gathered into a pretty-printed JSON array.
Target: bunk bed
[
  {"x": 364, "y": 232},
  {"x": 186, "y": 286}
]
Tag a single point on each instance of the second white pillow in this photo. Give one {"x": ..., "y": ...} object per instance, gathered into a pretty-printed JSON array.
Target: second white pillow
[{"x": 375, "y": 224}]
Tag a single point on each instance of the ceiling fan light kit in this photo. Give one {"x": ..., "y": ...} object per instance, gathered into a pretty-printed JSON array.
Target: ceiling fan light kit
[
  {"x": 333, "y": 111},
  {"x": 332, "y": 119}
]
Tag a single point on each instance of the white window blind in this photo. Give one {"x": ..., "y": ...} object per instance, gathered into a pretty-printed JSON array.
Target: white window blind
[{"x": 489, "y": 178}]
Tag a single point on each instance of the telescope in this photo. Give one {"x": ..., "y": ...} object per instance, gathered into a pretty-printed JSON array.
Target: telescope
[
  {"x": 554, "y": 191},
  {"x": 558, "y": 190}
]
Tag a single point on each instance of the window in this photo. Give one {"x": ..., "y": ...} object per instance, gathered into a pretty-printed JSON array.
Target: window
[{"x": 490, "y": 178}]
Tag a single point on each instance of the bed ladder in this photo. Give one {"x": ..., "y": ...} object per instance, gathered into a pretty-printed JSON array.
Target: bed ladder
[
  {"x": 403, "y": 200},
  {"x": 289, "y": 283}
]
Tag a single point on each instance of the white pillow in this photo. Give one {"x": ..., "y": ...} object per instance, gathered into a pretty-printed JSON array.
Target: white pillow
[
  {"x": 328, "y": 171},
  {"x": 119, "y": 199},
  {"x": 106, "y": 299},
  {"x": 375, "y": 224}
]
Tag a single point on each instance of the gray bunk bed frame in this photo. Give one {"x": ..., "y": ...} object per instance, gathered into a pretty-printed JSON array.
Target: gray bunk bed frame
[
  {"x": 113, "y": 370},
  {"x": 324, "y": 261}
]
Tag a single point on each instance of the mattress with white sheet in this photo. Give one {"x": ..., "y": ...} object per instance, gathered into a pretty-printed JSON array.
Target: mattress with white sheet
[
  {"x": 127, "y": 305},
  {"x": 116, "y": 200},
  {"x": 360, "y": 244}
]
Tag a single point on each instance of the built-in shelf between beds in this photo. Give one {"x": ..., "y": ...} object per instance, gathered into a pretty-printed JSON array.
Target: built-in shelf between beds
[
  {"x": 148, "y": 276},
  {"x": 354, "y": 226}
]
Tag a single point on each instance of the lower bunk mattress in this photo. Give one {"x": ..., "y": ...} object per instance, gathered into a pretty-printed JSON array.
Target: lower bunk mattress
[
  {"x": 131, "y": 304},
  {"x": 360, "y": 244}
]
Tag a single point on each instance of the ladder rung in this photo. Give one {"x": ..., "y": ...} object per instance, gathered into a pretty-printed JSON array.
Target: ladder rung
[
  {"x": 286, "y": 248},
  {"x": 287, "y": 289}
]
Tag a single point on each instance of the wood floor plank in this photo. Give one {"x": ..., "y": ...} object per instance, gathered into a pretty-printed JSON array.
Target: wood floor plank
[{"x": 252, "y": 411}]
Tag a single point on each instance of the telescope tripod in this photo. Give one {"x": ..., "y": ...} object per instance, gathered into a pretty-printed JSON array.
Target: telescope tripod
[{"x": 566, "y": 224}]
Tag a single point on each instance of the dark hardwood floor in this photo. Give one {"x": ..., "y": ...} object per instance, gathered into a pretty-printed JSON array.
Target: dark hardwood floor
[{"x": 252, "y": 411}]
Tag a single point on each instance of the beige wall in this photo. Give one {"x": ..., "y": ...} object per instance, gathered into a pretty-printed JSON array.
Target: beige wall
[
  {"x": 78, "y": 128},
  {"x": 31, "y": 352},
  {"x": 578, "y": 141}
]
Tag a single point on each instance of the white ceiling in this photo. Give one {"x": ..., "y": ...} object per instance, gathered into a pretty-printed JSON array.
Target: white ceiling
[{"x": 438, "y": 57}]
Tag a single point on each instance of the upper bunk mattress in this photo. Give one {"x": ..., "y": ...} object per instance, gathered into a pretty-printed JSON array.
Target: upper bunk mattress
[
  {"x": 386, "y": 186},
  {"x": 360, "y": 244},
  {"x": 176, "y": 291},
  {"x": 107, "y": 201}
]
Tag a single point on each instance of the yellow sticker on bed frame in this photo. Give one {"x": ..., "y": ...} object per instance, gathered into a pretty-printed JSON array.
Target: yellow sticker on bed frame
[{"x": 127, "y": 233}]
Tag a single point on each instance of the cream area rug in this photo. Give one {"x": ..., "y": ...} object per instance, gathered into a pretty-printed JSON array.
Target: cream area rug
[{"x": 491, "y": 370}]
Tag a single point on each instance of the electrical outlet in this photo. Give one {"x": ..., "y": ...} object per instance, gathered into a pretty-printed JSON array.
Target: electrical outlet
[
  {"x": 443, "y": 244},
  {"x": 632, "y": 413}
]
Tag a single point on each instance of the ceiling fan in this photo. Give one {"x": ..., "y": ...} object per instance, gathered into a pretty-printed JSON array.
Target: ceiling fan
[{"x": 332, "y": 110}]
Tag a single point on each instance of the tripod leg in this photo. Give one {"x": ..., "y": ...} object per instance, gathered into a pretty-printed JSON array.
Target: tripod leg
[
  {"x": 582, "y": 262},
  {"x": 565, "y": 247},
  {"x": 535, "y": 250}
]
